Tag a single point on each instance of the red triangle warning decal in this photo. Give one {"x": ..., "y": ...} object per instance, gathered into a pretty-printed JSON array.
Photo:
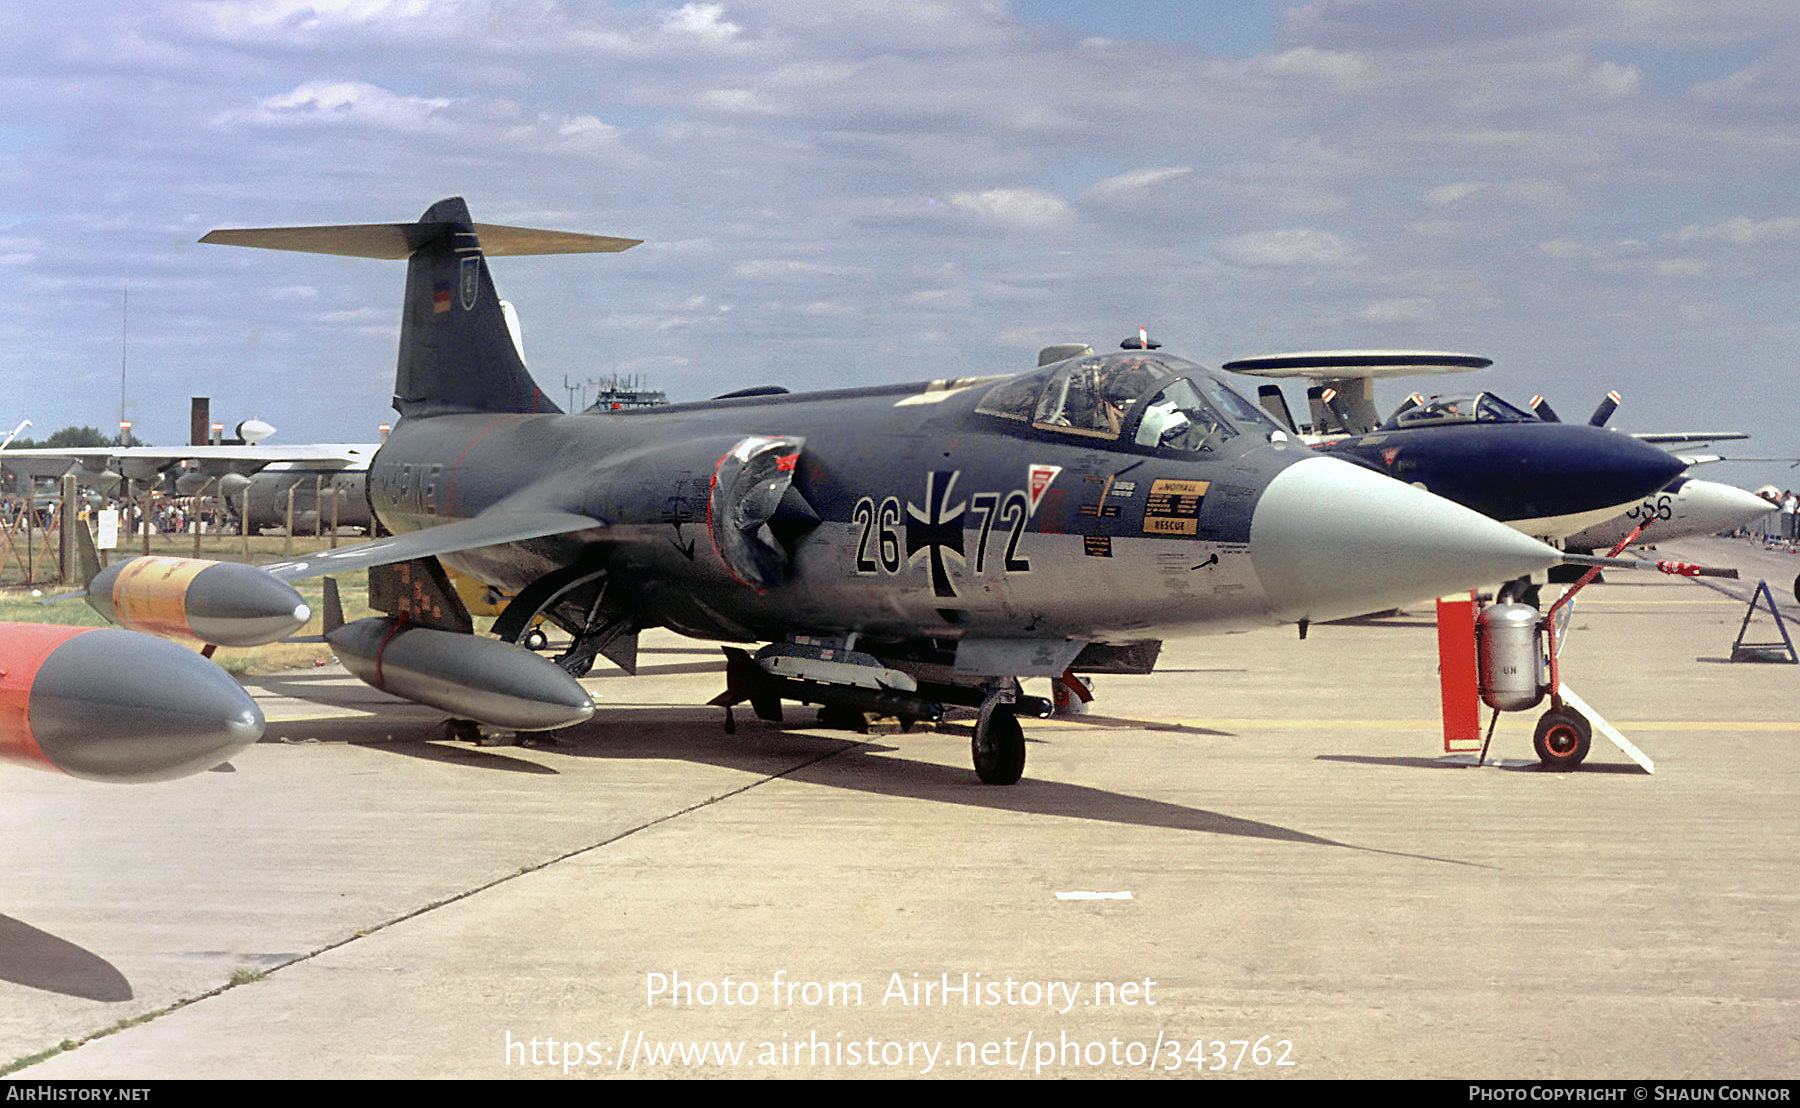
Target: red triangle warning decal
[{"x": 1037, "y": 483}]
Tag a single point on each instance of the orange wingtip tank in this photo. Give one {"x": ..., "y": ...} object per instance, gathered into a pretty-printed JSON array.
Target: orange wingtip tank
[
  {"x": 226, "y": 603},
  {"x": 117, "y": 706}
]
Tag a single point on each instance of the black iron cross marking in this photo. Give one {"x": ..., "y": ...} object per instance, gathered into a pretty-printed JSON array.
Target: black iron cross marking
[{"x": 936, "y": 529}]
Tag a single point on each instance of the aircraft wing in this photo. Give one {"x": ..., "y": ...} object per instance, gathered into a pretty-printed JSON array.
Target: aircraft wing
[
  {"x": 141, "y": 462},
  {"x": 342, "y": 453},
  {"x": 1682, "y": 438},
  {"x": 489, "y": 529},
  {"x": 1664, "y": 438}
]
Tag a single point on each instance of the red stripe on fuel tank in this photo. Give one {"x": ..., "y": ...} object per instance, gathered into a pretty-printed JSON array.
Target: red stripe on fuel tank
[{"x": 24, "y": 648}]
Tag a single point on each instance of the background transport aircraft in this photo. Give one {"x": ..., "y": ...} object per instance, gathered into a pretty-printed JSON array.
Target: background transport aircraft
[
  {"x": 898, "y": 548},
  {"x": 246, "y": 473},
  {"x": 322, "y": 495}
]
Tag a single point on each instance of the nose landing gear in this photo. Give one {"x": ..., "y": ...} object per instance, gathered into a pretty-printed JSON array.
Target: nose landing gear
[{"x": 999, "y": 743}]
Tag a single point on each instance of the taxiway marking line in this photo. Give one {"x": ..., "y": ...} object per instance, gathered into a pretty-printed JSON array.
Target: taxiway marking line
[
  {"x": 1264, "y": 724},
  {"x": 1627, "y": 601}
]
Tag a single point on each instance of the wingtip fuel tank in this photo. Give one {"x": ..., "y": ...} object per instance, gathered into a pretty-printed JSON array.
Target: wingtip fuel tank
[
  {"x": 117, "y": 706},
  {"x": 226, "y": 603}
]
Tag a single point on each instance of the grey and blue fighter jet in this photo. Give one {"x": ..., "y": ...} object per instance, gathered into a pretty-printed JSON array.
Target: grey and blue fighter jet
[{"x": 894, "y": 549}]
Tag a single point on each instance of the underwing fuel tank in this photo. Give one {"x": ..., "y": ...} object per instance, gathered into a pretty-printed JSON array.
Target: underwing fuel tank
[
  {"x": 485, "y": 680},
  {"x": 226, "y": 603},
  {"x": 116, "y": 706}
]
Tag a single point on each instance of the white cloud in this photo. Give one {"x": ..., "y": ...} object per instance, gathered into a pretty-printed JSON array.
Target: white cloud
[
  {"x": 19, "y": 251},
  {"x": 586, "y": 127},
  {"x": 1741, "y": 231},
  {"x": 1406, "y": 309},
  {"x": 1530, "y": 192},
  {"x": 291, "y": 15},
  {"x": 1567, "y": 248},
  {"x": 1681, "y": 267},
  {"x": 1346, "y": 71},
  {"x": 1743, "y": 85},
  {"x": 339, "y": 103},
  {"x": 1535, "y": 192},
  {"x": 382, "y": 318},
  {"x": 735, "y": 100},
  {"x": 1298, "y": 246},
  {"x": 778, "y": 268},
  {"x": 1137, "y": 181},
  {"x": 809, "y": 74},
  {"x": 1445, "y": 195},
  {"x": 1020, "y": 207},
  {"x": 1614, "y": 81},
  {"x": 704, "y": 22}
]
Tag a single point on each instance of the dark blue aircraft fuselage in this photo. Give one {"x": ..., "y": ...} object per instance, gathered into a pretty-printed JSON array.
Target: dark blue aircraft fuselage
[{"x": 1541, "y": 477}]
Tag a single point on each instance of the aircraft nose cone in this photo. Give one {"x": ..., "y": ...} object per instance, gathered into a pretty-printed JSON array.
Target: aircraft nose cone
[
  {"x": 112, "y": 705},
  {"x": 1615, "y": 468},
  {"x": 1330, "y": 540},
  {"x": 1719, "y": 507}
]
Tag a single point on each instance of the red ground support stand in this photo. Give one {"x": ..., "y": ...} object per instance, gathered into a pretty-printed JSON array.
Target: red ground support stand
[
  {"x": 1456, "y": 673},
  {"x": 1565, "y": 730}
]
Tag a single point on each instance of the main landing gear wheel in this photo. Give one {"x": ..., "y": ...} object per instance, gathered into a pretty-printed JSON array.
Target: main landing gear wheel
[
  {"x": 1562, "y": 739},
  {"x": 998, "y": 745}
]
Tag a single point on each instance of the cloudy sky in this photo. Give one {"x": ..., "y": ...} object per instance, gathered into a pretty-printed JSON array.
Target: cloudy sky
[{"x": 1598, "y": 194}]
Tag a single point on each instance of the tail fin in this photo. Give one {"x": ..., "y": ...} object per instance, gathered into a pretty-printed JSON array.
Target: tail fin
[{"x": 457, "y": 353}]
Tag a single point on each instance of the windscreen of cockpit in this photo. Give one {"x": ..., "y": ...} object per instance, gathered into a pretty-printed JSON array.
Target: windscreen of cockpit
[
  {"x": 1483, "y": 407},
  {"x": 1153, "y": 401},
  {"x": 1491, "y": 409}
]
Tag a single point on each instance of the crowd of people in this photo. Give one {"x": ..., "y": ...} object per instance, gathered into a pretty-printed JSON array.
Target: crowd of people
[
  {"x": 168, "y": 515},
  {"x": 1783, "y": 524}
]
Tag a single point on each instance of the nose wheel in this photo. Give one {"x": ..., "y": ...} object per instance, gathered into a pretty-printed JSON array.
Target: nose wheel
[
  {"x": 1562, "y": 739},
  {"x": 999, "y": 744}
]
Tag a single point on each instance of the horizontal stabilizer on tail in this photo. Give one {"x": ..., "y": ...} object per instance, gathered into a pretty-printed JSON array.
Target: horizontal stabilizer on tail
[
  {"x": 459, "y": 351},
  {"x": 397, "y": 241}
]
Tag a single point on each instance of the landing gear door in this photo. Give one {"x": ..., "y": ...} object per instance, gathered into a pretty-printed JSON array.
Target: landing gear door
[{"x": 748, "y": 485}]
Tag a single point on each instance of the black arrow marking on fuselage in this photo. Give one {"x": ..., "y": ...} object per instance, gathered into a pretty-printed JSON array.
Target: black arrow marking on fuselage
[
  {"x": 686, "y": 548},
  {"x": 1213, "y": 560}
]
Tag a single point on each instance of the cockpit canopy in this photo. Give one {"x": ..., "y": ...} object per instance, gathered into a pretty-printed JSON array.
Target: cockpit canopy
[
  {"x": 1483, "y": 407},
  {"x": 1145, "y": 401}
]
